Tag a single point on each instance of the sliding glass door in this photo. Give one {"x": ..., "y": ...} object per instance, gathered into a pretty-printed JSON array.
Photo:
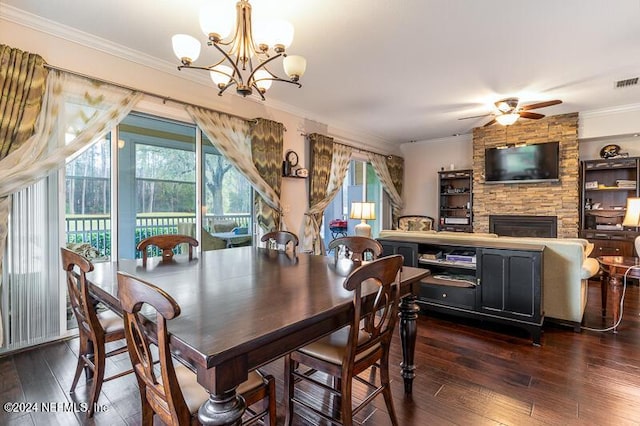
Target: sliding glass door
[{"x": 156, "y": 180}]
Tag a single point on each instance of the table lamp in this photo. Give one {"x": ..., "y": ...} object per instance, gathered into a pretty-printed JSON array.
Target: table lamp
[
  {"x": 363, "y": 211},
  {"x": 632, "y": 219}
]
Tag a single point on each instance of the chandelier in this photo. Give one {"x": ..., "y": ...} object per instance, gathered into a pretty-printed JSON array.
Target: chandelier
[{"x": 244, "y": 64}]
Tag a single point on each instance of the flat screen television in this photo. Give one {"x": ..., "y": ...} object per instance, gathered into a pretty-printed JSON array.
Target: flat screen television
[{"x": 522, "y": 164}]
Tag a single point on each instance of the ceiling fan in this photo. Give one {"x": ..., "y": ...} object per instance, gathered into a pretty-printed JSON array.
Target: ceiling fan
[{"x": 508, "y": 111}]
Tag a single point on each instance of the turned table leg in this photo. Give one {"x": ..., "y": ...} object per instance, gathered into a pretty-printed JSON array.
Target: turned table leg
[
  {"x": 615, "y": 286},
  {"x": 225, "y": 409},
  {"x": 408, "y": 329}
]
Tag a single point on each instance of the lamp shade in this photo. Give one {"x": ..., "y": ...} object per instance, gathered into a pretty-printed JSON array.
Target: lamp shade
[
  {"x": 185, "y": 47},
  {"x": 263, "y": 80},
  {"x": 632, "y": 216},
  {"x": 507, "y": 119},
  {"x": 282, "y": 33},
  {"x": 220, "y": 74},
  {"x": 294, "y": 66},
  {"x": 217, "y": 18},
  {"x": 364, "y": 211}
]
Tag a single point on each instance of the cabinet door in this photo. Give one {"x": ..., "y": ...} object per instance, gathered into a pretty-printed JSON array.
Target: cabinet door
[
  {"x": 408, "y": 250},
  {"x": 510, "y": 284}
]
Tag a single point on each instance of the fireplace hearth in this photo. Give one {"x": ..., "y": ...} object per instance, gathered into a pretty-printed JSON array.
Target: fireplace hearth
[{"x": 524, "y": 226}]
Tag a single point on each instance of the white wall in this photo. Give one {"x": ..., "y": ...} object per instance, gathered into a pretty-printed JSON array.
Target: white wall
[
  {"x": 620, "y": 126},
  {"x": 590, "y": 149},
  {"x": 80, "y": 53},
  {"x": 425, "y": 158},
  {"x": 422, "y": 161},
  {"x": 610, "y": 122}
]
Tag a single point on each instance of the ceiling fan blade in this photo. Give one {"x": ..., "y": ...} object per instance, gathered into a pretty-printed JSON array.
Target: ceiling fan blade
[
  {"x": 540, "y": 105},
  {"x": 475, "y": 116},
  {"x": 490, "y": 123},
  {"x": 531, "y": 115}
]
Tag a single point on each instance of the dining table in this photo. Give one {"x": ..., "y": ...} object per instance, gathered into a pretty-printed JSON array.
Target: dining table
[{"x": 244, "y": 307}]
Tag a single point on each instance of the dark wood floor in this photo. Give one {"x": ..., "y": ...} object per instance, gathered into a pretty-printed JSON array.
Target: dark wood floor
[{"x": 469, "y": 373}]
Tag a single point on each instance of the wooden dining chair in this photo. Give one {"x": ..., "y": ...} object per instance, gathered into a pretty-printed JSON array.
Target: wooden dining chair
[
  {"x": 353, "y": 349},
  {"x": 166, "y": 243},
  {"x": 356, "y": 247},
  {"x": 95, "y": 329},
  {"x": 174, "y": 394},
  {"x": 278, "y": 239}
]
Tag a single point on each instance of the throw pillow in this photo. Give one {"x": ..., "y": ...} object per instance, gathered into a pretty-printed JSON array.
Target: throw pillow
[{"x": 418, "y": 225}]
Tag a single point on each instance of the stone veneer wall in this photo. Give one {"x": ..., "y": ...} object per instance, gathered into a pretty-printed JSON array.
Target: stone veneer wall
[{"x": 559, "y": 199}]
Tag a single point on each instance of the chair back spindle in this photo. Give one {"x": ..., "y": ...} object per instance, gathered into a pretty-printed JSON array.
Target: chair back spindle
[
  {"x": 167, "y": 243},
  {"x": 277, "y": 239}
]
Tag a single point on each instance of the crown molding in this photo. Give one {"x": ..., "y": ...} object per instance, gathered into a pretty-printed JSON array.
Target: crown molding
[
  {"x": 465, "y": 137},
  {"x": 18, "y": 16},
  {"x": 610, "y": 111}
]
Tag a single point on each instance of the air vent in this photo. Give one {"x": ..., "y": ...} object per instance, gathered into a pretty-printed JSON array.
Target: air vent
[{"x": 626, "y": 83}]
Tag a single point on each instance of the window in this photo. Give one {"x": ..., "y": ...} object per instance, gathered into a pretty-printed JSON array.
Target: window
[
  {"x": 227, "y": 196},
  {"x": 360, "y": 184},
  {"x": 88, "y": 201}
]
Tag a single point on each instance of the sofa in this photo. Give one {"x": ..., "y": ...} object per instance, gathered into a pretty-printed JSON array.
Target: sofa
[{"x": 567, "y": 267}]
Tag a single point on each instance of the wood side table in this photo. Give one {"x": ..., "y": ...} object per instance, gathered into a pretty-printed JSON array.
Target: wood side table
[{"x": 612, "y": 278}]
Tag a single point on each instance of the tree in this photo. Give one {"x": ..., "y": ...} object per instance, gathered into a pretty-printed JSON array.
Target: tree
[{"x": 216, "y": 168}]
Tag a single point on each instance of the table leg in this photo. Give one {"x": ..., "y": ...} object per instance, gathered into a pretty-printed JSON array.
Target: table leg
[
  {"x": 408, "y": 329},
  {"x": 604, "y": 283},
  {"x": 615, "y": 286},
  {"x": 225, "y": 409}
]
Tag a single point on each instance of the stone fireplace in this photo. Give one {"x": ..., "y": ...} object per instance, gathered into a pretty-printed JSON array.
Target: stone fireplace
[
  {"x": 557, "y": 199},
  {"x": 524, "y": 226}
]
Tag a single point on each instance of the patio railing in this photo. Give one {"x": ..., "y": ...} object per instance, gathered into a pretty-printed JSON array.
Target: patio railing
[{"x": 96, "y": 229}]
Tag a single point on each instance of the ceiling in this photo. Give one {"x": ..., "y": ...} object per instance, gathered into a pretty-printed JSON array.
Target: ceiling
[{"x": 407, "y": 70}]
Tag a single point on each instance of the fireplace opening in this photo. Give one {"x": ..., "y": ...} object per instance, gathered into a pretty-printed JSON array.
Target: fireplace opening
[{"x": 524, "y": 226}]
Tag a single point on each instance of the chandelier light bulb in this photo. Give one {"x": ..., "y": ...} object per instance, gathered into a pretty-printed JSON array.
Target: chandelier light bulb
[
  {"x": 294, "y": 66},
  {"x": 186, "y": 48},
  {"x": 281, "y": 33},
  {"x": 261, "y": 34},
  {"x": 220, "y": 74},
  {"x": 217, "y": 19},
  {"x": 263, "y": 80}
]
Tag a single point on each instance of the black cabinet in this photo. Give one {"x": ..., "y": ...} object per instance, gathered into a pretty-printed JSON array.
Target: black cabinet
[
  {"x": 408, "y": 250},
  {"x": 510, "y": 284},
  {"x": 500, "y": 283}
]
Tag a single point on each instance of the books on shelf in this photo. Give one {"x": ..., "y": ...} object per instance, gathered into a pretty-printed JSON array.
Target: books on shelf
[
  {"x": 465, "y": 256},
  {"x": 456, "y": 220},
  {"x": 606, "y": 227},
  {"x": 431, "y": 255},
  {"x": 457, "y": 278},
  {"x": 625, "y": 183}
]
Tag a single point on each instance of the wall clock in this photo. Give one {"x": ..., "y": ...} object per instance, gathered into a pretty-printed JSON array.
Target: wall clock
[{"x": 292, "y": 158}]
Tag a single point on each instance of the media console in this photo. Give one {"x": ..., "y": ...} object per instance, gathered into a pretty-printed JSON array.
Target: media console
[{"x": 499, "y": 282}]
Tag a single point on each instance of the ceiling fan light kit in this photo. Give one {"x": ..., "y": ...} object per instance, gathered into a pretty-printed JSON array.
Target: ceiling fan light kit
[
  {"x": 244, "y": 64},
  {"x": 508, "y": 111},
  {"x": 507, "y": 119}
]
